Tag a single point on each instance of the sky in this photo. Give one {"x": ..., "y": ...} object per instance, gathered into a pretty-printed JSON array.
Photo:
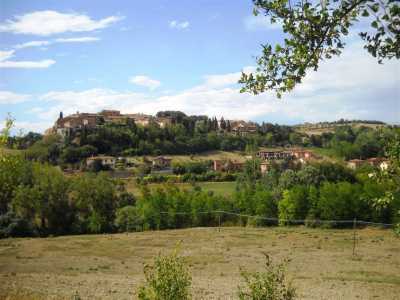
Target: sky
[{"x": 147, "y": 56}]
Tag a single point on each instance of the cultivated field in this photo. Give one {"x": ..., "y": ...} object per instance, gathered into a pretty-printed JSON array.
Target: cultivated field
[{"x": 110, "y": 266}]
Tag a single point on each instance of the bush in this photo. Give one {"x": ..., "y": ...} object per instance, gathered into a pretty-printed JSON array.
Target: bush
[
  {"x": 12, "y": 226},
  {"x": 270, "y": 284},
  {"x": 167, "y": 279}
]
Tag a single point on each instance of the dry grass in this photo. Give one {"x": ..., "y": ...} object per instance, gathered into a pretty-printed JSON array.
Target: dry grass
[{"x": 110, "y": 266}]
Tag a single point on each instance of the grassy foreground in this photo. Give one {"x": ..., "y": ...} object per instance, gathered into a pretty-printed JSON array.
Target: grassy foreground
[{"x": 110, "y": 266}]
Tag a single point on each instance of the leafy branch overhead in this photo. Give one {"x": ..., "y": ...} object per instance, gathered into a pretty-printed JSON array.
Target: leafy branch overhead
[{"x": 315, "y": 31}]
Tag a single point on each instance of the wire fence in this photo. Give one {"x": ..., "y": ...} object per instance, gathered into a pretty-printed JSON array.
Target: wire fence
[{"x": 316, "y": 222}]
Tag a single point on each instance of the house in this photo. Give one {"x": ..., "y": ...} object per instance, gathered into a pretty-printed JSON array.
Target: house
[
  {"x": 163, "y": 121},
  {"x": 140, "y": 119},
  {"x": 379, "y": 162},
  {"x": 161, "y": 162},
  {"x": 264, "y": 167},
  {"x": 302, "y": 154},
  {"x": 105, "y": 160},
  {"x": 355, "y": 163},
  {"x": 218, "y": 165},
  {"x": 65, "y": 125},
  {"x": 384, "y": 165},
  {"x": 243, "y": 128},
  {"x": 110, "y": 113},
  {"x": 274, "y": 155},
  {"x": 227, "y": 165}
]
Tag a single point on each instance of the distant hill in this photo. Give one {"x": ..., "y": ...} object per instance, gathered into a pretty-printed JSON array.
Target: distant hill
[{"x": 322, "y": 127}]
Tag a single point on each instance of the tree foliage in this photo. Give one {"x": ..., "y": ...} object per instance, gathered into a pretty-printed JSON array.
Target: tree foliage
[{"x": 314, "y": 31}]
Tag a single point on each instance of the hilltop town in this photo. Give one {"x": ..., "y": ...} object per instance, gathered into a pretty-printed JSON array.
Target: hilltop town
[
  {"x": 142, "y": 144},
  {"x": 64, "y": 126}
]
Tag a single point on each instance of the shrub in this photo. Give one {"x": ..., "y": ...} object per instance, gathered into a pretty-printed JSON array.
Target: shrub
[
  {"x": 12, "y": 226},
  {"x": 167, "y": 279},
  {"x": 270, "y": 284}
]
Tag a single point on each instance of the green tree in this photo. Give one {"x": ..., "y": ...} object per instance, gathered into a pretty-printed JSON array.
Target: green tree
[
  {"x": 95, "y": 198},
  {"x": 315, "y": 31},
  {"x": 128, "y": 219},
  {"x": 45, "y": 202},
  {"x": 294, "y": 205}
]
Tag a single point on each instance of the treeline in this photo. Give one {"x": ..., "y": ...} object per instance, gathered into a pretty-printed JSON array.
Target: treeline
[
  {"x": 349, "y": 142},
  {"x": 37, "y": 200}
]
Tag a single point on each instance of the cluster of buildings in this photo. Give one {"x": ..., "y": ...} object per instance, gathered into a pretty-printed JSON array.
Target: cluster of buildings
[
  {"x": 378, "y": 162},
  {"x": 243, "y": 128},
  {"x": 64, "y": 126},
  {"x": 266, "y": 159}
]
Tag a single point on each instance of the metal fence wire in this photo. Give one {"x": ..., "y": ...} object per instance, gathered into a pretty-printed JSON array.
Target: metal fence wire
[{"x": 316, "y": 222}]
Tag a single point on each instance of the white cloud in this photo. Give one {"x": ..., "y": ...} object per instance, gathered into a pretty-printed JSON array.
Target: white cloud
[
  {"x": 351, "y": 86},
  {"x": 145, "y": 81},
  {"x": 32, "y": 44},
  {"x": 85, "y": 39},
  {"x": 223, "y": 80},
  {"x": 260, "y": 22},
  {"x": 7, "y": 97},
  {"x": 179, "y": 25},
  {"x": 24, "y": 127},
  {"x": 48, "y": 22},
  {"x": 4, "y": 55},
  {"x": 6, "y": 63},
  {"x": 40, "y": 64}
]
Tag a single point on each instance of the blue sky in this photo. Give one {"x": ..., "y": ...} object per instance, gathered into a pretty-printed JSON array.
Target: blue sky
[{"x": 142, "y": 56}]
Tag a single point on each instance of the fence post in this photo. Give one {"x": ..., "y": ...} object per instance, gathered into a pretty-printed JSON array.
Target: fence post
[
  {"x": 219, "y": 222},
  {"x": 354, "y": 235}
]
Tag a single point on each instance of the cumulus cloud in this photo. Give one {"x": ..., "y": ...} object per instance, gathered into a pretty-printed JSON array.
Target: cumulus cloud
[
  {"x": 7, "y": 97},
  {"x": 49, "y": 22},
  {"x": 145, "y": 81},
  {"x": 179, "y": 25},
  {"x": 352, "y": 86},
  {"x": 260, "y": 22},
  {"x": 223, "y": 80}
]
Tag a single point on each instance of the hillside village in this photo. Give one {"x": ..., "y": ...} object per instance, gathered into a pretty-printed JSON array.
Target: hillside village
[{"x": 75, "y": 125}]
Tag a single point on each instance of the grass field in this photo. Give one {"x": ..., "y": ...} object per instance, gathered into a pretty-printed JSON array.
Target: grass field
[
  {"x": 208, "y": 155},
  {"x": 110, "y": 266},
  {"x": 219, "y": 188}
]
